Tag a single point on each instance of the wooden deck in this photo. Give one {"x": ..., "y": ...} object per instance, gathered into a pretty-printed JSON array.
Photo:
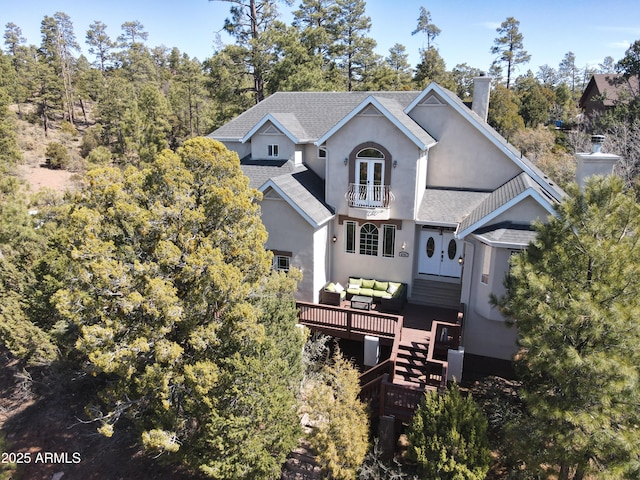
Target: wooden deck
[{"x": 419, "y": 337}]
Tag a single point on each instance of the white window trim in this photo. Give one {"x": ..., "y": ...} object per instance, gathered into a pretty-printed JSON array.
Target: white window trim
[
  {"x": 386, "y": 227},
  {"x": 486, "y": 264},
  {"x": 273, "y": 150},
  {"x": 347, "y": 223}
]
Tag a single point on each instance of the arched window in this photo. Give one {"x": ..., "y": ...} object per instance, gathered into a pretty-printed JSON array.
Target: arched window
[
  {"x": 369, "y": 239},
  {"x": 370, "y": 153}
]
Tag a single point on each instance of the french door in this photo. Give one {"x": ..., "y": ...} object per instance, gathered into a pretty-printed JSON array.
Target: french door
[
  {"x": 369, "y": 183},
  {"x": 439, "y": 253}
]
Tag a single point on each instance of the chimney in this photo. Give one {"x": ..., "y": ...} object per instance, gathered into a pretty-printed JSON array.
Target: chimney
[
  {"x": 481, "y": 90},
  {"x": 595, "y": 162}
]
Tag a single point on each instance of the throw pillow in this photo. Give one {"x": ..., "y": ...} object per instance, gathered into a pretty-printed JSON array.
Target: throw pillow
[{"x": 339, "y": 288}]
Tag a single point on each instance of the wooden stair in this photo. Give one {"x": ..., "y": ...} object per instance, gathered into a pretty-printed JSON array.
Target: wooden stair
[
  {"x": 436, "y": 293},
  {"x": 411, "y": 363}
]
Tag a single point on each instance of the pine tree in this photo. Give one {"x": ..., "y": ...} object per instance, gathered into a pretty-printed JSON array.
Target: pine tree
[
  {"x": 165, "y": 270},
  {"x": 341, "y": 427},
  {"x": 509, "y": 47},
  {"x": 448, "y": 437},
  {"x": 574, "y": 295}
]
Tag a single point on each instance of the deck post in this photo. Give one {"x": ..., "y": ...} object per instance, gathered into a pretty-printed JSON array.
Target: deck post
[{"x": 383, "y": 395}]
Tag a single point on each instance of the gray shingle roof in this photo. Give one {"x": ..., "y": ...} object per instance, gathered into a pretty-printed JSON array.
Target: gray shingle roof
[
  {"x": 501, "y": 196},
  {"x": 397, "y": 110},
  {"x": 306, "y": 190},
  {"x": 448, "y": 207},
  {"x": 313, "y": 113},
  {"x": 515, "y": 237},
  {"x": 259, "y": 171}
]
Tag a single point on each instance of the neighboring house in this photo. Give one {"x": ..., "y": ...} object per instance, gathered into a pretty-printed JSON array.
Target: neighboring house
[
  {"x": 412, "y": 187},
  {"x": 604, "y": 91}
]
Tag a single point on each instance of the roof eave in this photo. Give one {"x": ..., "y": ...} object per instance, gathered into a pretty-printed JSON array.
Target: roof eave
[
  {"x": 529, "y": 192},
  {"x": 371, "y": 100},
  {"x": 269, "y": 118}
]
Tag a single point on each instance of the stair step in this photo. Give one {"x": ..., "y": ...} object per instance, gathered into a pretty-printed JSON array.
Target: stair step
[
  {"x": 414, "y": 346},
  {"x": 419, "y": 355}
]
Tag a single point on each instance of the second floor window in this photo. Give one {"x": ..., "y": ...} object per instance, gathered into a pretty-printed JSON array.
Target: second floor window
[{"x": 272, "y": 150}]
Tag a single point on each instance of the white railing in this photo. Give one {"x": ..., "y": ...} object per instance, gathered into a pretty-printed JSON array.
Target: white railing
[{"x": 369, "y": 195}]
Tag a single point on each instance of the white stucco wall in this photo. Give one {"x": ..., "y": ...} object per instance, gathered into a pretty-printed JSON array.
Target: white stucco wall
[
  {"x": 288, "y": 231},
  {"x": 463, "y": 157},
  {"x": 486, "y": 332},
  {"x": 260, "y": 141},
  {"x": 380, "y": 130},
  {"x": 242, "y": 149},
  {"x": 397, "y": 268},
  {"x": 525, "y": 211},
  {"x": 312, "y": 161},
  {"x": 320, "y": 260}
]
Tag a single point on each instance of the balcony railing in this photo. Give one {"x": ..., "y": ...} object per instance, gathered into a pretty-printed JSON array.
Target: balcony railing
[{"x": 369, "y": 196}]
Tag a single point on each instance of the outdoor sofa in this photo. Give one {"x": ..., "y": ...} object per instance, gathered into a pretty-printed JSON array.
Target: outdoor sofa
[{"x": 390, "y": 296}]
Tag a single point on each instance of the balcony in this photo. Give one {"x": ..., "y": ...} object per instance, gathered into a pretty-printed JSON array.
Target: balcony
[{"x": 369, "y": 202}]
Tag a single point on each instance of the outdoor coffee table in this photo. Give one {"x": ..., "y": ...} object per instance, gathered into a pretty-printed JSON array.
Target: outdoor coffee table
[{"x": 361, "y": 303}]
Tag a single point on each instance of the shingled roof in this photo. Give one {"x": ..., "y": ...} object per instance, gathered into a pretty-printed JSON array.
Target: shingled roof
[
  {"x": 511, "y": 192},
  {"x": 309, "y": 114}
]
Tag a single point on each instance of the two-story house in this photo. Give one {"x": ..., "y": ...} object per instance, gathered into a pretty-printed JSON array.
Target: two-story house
[{"x": 413, "y": 187}]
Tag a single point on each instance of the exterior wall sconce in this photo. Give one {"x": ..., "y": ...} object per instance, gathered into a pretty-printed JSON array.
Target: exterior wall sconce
[
  {"x": 404, "y": 246},
  {"x": 460, "y": 260},
  {"x": 346, "y": 160},
  {"x": 395, "y": 163},
  {"x": 334, "y": 239}
]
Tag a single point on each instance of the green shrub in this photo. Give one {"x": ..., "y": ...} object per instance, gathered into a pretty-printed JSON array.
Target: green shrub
[
  {"x": 448, "y": 437},
  {"x": 57, "y": 155},
  {"x": 99, "y": 156}
]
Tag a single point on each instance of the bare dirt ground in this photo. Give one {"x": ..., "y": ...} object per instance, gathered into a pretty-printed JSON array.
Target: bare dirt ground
[
  {"x": 33, "y": 169},
  {"x": 40, "y": 415}
]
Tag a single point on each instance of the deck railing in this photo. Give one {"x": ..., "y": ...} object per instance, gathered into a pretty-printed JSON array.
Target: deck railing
[
  {"x": 352, "y": 322},
  {"x": 377, "y": 387}
]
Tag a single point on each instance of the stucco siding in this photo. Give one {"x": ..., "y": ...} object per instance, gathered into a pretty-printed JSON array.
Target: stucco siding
[
  {"x": 395, "y": 268},
  {"x": 261, "y": 141},
  {"x": 288, "y": 231},
  {"x": 463, "y": 157},
  {"x": 242, "y": 149},
  {"x": 378, "y": 129},
  {"x": 313, "y": 162},
  {"x": 524, "y": 211},
  {"x": 320, "y": 243},
  {"x": 486, "y": 331}
]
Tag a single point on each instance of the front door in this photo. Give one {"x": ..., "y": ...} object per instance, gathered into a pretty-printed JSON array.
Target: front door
[
  {"x": 369, "y": 175},
  {"x": 439, "y": 253}
]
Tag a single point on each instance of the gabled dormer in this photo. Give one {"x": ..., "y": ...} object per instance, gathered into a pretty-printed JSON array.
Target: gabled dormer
[{"x": 373, "y": 156}]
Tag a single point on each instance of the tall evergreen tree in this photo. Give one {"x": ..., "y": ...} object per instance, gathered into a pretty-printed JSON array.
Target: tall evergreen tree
[
  {"x": 398, "y": 62},
  {"x": 166, "y": 288},
  {"x": 509, "y": 47},
  {"x": 249, "y": 21},
  {"x": 58, "y": 44},
  {"x": 100, "y": 44},
  {"x": 353, "y": 49},
  {"x": 574, "y": 295}
]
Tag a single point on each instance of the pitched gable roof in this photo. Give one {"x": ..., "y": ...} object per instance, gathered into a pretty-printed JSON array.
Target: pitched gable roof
[
  {"x": 610, "y": 87},
  {"x": 304, "y": 191},
  {"x": 492, "y": 135},
  {"x": 314, "y": 112},
  {"x": 500, "y": 200},
  {"x": 394, "y": 112},
  {"x": 287, "y": 123}
]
